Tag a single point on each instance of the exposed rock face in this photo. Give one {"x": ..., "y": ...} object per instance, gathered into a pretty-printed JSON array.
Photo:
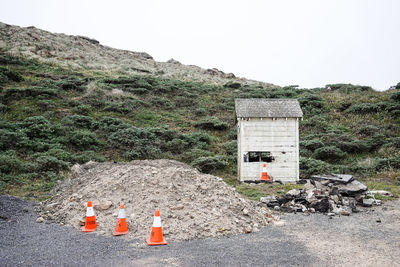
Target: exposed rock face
[
  {"x": 93, "y": 41},
  {"x": 173, "y": 61},
  {"x": 81, "y": 52}
]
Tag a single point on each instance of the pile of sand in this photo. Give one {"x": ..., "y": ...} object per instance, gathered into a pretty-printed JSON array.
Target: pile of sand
[{"x": 192, "y": 204}]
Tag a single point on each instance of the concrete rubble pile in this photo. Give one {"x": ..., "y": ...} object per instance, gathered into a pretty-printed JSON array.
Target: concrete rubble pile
[
  {"x": 334, "y": 194},
  {"x": 192, "y": 204}
]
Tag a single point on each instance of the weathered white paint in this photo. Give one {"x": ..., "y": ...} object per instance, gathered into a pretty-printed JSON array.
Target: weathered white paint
[{"x": 280, "y": 136}]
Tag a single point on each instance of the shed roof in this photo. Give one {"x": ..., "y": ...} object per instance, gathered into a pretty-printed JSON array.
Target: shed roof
[{"x": 267, "y": 108}]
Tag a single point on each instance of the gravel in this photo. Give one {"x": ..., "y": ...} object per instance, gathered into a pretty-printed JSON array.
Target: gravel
[
  {"x": 314, "y": 240},
  {"x": 192, "y": 204},
  {"x": 24, "y": 242}
]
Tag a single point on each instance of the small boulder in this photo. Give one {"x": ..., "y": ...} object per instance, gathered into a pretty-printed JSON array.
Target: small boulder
[
  {"x": 367, "y": 202},
  {"x": 103, "y": 205},
  {"x": 247, "y": 230},
  {"x": 76, "y": 170},
  {"x": 245, "y": 211}
]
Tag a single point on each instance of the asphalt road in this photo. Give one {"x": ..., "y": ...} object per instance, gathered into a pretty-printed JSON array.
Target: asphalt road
[{"x": 303, "y": 241}]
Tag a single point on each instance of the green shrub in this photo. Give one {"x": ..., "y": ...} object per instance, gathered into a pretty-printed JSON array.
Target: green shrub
[
  {"x": 312, "y": 104},
  {"x": 142, "y": 83},
  {"x": 83, "y": 139},
  {"x": 348, "y": 88},
  {"x": 19, "y": 93},
  {"x": 232, "y": 135},
  {"x": 329, "y": 153},
  {"x": 311, "y": 144},
  {"x": 166, "y": 134},
  {"x": 134, "y": 82},
  {"x": 87, "y": 156},
  {"x": 375, "y": 142},
  {"x": 129, "y": 137},
  {"x": 3, "y": 108},
  {"x": 199, "y": 140},
  {"x": 136, "y": 91},
  {"x": 392, "y": 142},
  {"x": 82, "y": 110},
  {"x": 139, "y": 143},
  {"x": 10, "y": 75},
  {"x": 317, "y": 123},
  {"x": 209, "y": 164},
  {"x": 234, "y": 85},
  {"x": 368, "y": 130},
  {"x": 49, "y": 163},
  {"x": 388, "y": 163},
  {"x": 12, "y": 139},
  {"x": 212, "y": 123},
  {"x": 200, "y": 112},
  {"x": 393, "y": 108},
  {"x": 195, "y": 153},
  {"x": 309, "y": 166},
  {"x": 121, "y": 80},
  {"x": 125, "y": 106},
  {"x": 45, "y": 104},
  {"x": 10, "y": 163},
  {"x": 396, "y": 95},
  {"x": 230, "y": 147},
  {"x": 161, "y": 102},
  {"x": 345, "y": 142},
  {"x": 354, "y": 146},
  {"x": 36, "y": 127},
  {"x": 183, "y": 101},
  {"x": 78, "y": 122},
  {"x": 97, "y": 102},
  {"x": 143, "y": 152},
  {"x": 177, "y": 146},
  {"x": 285, "y": 92},
  {"x": 6, "y": 59},
  {"x": 111, "y": 125},
  {"x": 73, "y": 83},
  {"x": 59, "y": 153},
  {"x": 367, "y": 108}
]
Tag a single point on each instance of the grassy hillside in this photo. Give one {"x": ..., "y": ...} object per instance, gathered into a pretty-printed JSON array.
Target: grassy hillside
[{"x": 53, "y": 117}]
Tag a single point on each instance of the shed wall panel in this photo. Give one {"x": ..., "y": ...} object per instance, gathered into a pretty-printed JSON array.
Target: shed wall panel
[{"x": 275, "y": 136}]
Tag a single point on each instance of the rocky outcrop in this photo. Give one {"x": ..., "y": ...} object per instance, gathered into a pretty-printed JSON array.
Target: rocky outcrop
[{"x": 81, "y": 52}]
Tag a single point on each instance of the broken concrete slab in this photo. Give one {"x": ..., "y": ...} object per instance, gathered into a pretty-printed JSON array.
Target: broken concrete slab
[
  {"x": 308, "y": 186},
  {"x": 341, "y": 178},
  {"x": 352, "y": 188},
  {"x": 322, "y": 196},
  {"x": 293, "y": 192}
]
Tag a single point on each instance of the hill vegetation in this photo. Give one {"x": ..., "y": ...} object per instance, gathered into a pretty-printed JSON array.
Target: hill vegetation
[{"x": 52, "y": 117}]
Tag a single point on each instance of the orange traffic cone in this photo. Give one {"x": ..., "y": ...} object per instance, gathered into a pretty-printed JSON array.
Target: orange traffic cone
[
  {"x": 121, "y": 228},
  {"x": 156, "y": 237},
  {"x": 264, "y": 174},
  {"x": 90, "y": 223}
]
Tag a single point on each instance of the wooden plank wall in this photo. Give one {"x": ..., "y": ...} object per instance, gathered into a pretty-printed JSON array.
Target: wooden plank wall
[{"x": 278, "y": 136}]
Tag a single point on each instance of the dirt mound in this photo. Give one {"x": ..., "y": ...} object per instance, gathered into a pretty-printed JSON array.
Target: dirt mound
[{"x": 192, "y": 204}]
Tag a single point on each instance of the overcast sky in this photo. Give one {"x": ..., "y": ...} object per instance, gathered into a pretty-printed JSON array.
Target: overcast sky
[{"x": 305, "y": 42}]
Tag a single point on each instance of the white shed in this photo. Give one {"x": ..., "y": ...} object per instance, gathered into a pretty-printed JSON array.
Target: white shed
[{"x": 268, "y": 132}]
